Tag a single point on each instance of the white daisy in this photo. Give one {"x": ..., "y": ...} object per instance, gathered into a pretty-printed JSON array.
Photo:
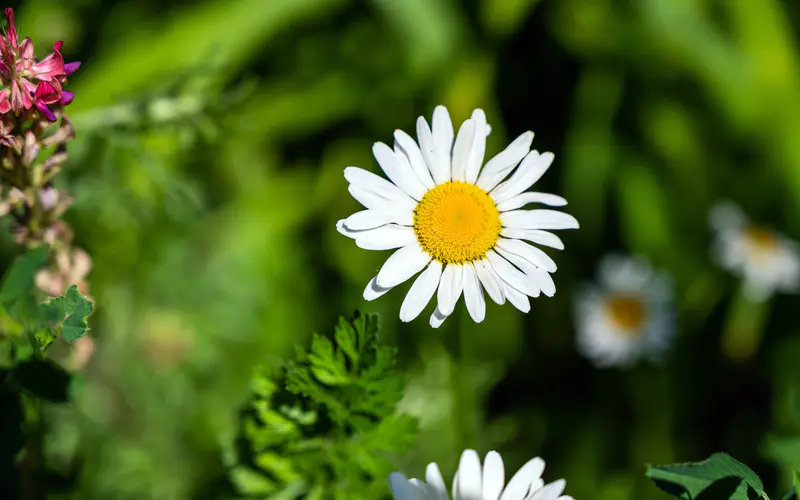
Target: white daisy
[
  {"x": 627, "y": 315},
  {"x": 768, "y": 261},
  {"x": 475, "y": 483},
  {"x": 458, "y": 221}
]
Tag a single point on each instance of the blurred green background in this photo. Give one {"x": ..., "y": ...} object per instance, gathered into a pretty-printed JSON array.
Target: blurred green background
[{"x": 207, "y": 177}]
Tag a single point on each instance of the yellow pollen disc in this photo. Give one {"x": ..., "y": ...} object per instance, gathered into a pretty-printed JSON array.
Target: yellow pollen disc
[
  {"x": 456, "y": 222},
  {"x": 628, "y": 312},
  {"x": 761, "y": 240}
]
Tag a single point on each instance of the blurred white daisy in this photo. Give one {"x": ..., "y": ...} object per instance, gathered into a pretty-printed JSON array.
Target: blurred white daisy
[
  {"x": 627, "y": 315},
  {"x": 455, "y": 219},
  {"x": 473, "y": 482},
  {"x": 768, "y": 261}
]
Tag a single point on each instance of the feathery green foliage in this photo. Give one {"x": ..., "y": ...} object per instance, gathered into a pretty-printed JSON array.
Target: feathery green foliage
[{"x": 325, "y": 425}]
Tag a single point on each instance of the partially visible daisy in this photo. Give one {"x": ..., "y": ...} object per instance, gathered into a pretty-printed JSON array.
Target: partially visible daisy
[
  {"x": 627, "y": 315},
  {"x": 768, "y": 261},
  {"x": 473, "y": 482},
  {"x": 457, "y": 220}
]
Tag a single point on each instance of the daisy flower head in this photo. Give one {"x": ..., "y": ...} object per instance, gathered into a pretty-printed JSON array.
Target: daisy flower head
[
  {"x": 627, "y": 315},
  {"x": 473, "y": 482},
  {"x": 766, "y": 260},
  {"x": 457, "y": 221}
]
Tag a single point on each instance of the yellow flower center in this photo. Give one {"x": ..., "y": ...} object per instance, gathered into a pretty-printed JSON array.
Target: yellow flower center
[
  {"x": 628, "y": 312},
  {"x": 457, "y": 222},
  {"x": 762, "y": 241}
]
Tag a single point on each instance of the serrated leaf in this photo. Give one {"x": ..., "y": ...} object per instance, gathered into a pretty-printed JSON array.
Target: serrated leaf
[
  {"x": 19, "y": 280},
  {"x": 330, "y": 424},
  {"x": 345, "y": 337},
  {"x": 690, "y": 480},
  {"x": 327, "y": 363},
  {"x": 67, "y": 313}
]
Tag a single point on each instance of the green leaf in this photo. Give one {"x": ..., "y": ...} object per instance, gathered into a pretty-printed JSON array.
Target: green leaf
[
  {"x": 354, "y": 379},
  {"x": 327, "y": 421},
  {"x": 67, "y": 314},
  {"x": 250, "y": 482},
  {"x": 19, "y": 280},
  {"x": 327, "y": 364},
  {"x": 720, "y": 476}
]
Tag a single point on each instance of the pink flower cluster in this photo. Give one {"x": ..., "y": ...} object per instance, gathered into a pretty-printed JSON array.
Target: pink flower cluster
[{"x": 26, "y": 82}]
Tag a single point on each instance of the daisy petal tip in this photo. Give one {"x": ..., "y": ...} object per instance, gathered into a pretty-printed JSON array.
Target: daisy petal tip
[
  {"x": 400, "y": 486},
  {"x": 493, "y": 454},
  {"x": 437, "y": 318},
  {"x": 479, "y": 113},
  {"x": 407, "y": 316}
]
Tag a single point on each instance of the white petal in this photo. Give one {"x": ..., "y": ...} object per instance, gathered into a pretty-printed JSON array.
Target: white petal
[
  {"x": 528, "y": 269},
  {"x": 726, "y": 215},
  {"x": 511, "y": 275},
  {"x": 467, "y": 484},
  {"x": 528, "y": 252},
  {"x": 410, "y": 147},
  {"x": 434, "y": 479},
  {"x": 529, "y": 171},
  {"x": 522, "y": 483},
  {"x": 343, "y": 229},
  {"x": 373, "y": 291},
  {"x": 386, "y": 237},
  {"x": 450, "y": 288},
  {"x": 473, "y": 295},
  {"x": 438, "y": 164},
  {"x": 494, "y": 476},
  {"x": 538, "y": 219},
  {"x": 523, "y": 199},
  {"x": 443, "y": 140},
  {"x": 462, "y": 149},
  {"x": 535, "y": 236},
  {"x": 544, "y": 280},
  {"x": 437, "y": 318},
  {"x": 401, "y": 174},
  {"x": 378, "y": 185},
  {"x": 490, "y": 280},
  {"x": 370, "y": 219},
  {"x": 504, "y": 162},
  {"x": 375, "y": 201},
  {"x": 517, "y": 298},
  {"x": 427, "y": 491},
  {"x": 421, "y": 292},
  {"x": 402, "y": 265},
  {"x": 550, "y": 492},
  {"x": 402, "y": 489},
  {"x": 478, "y": 149}
]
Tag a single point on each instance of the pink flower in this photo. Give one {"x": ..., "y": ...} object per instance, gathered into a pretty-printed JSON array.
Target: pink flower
[{"x": 27, "y": 81}]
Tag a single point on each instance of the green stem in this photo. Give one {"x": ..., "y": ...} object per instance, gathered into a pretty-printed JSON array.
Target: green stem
[{"x": 744, "y": 326}]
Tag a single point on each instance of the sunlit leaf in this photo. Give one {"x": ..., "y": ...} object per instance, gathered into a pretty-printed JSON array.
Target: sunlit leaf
[{"x": 720, "y": 476}]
